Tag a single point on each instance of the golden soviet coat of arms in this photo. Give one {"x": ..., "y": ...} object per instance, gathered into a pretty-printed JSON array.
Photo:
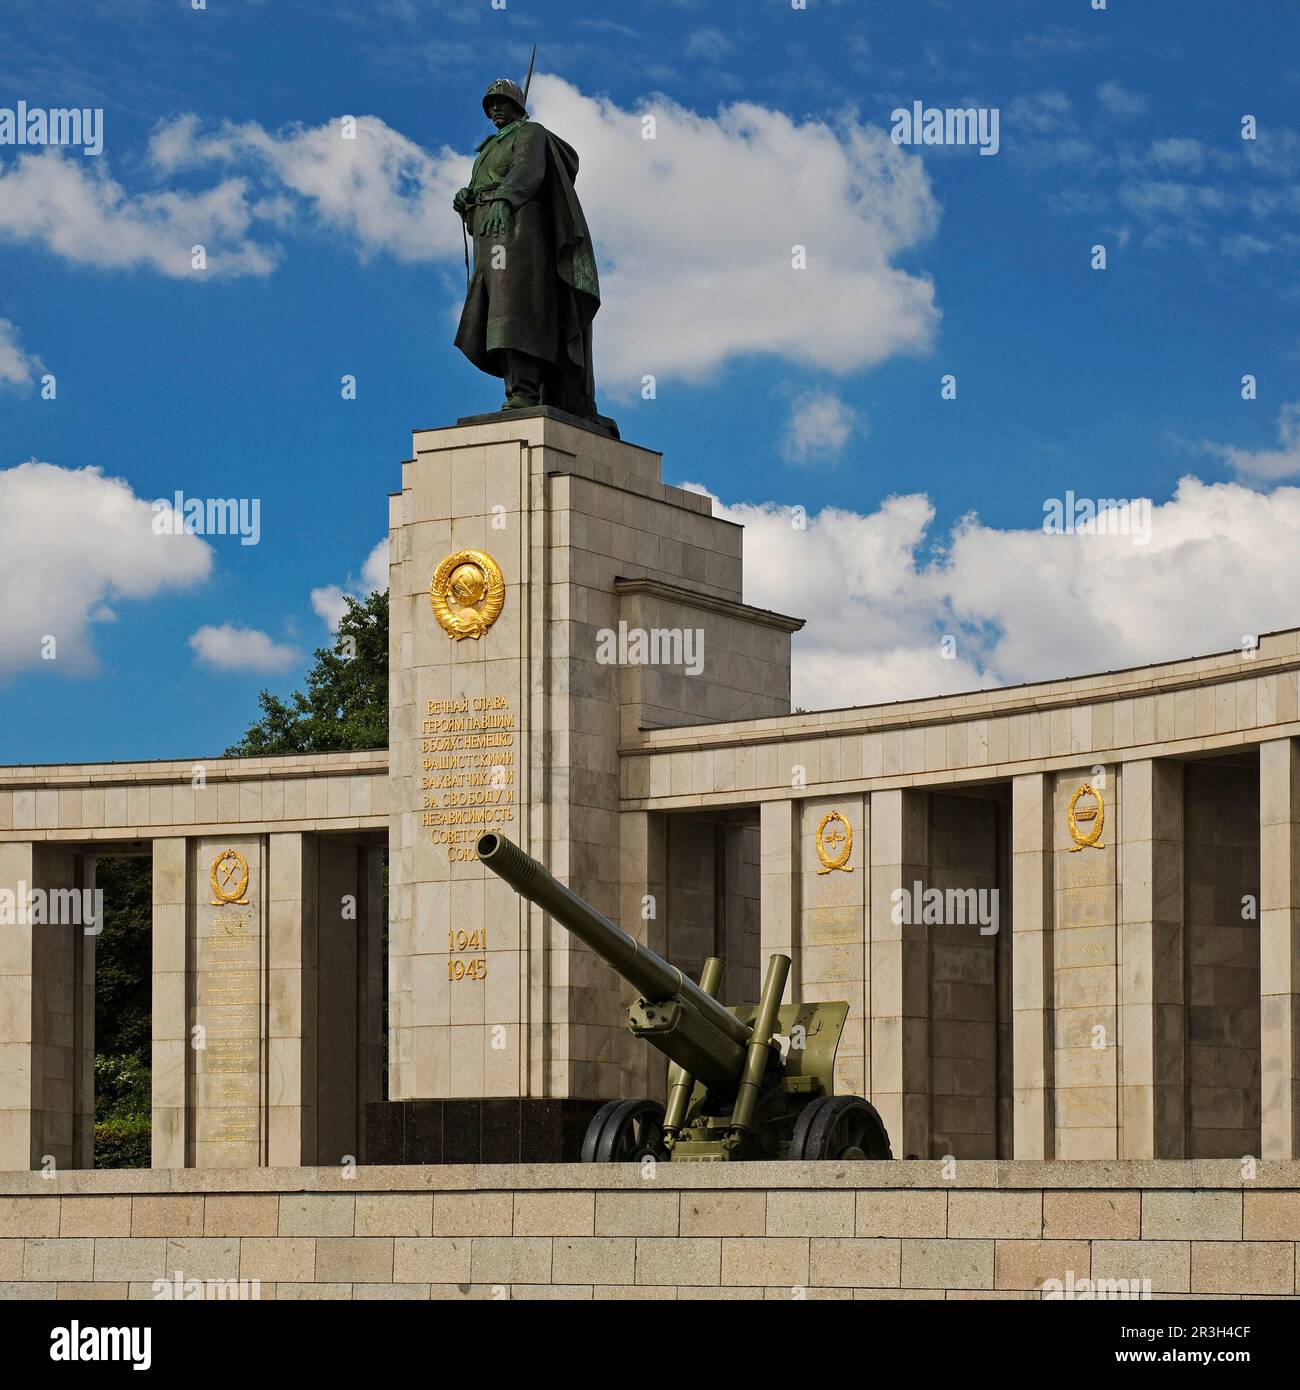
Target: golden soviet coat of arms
[
  {"x": 834, "y": 843},
  {"x": 229, "y": 879},
  {"x": 1092, "y": 816},
  {"x": 467, "y": 593}
]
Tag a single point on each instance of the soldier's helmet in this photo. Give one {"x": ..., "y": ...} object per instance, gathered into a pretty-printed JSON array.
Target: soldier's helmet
[{"x": 503, "y": 87}]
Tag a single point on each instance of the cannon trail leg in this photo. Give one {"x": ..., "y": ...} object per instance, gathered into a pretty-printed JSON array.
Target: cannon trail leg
[
  {"x": 680, "y": 1082},
  {"x": 759, "y": 1049}
]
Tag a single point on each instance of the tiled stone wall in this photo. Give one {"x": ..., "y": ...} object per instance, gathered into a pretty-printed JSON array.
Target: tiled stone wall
[
  {"x": 148, "y": 800},
  {"x": 753, "y": 1231},
  {"x": 743, "y": 660},
  {"x": 1180, "y": 708}
]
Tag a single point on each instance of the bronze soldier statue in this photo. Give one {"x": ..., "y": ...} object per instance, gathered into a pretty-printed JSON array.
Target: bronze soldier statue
[{"x": 534, "y": 292}]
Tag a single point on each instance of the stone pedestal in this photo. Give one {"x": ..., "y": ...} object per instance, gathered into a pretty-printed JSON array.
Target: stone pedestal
[{"x": 516, "y": 728}]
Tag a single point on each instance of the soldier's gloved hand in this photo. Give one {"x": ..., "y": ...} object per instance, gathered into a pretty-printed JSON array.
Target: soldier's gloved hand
[
  {"x": 497, "y": 220},
  {"x": 461, "y": 201}
]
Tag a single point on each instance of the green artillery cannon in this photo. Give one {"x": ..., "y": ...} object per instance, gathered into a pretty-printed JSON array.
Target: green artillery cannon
[{"x": 733, "y": 1091}]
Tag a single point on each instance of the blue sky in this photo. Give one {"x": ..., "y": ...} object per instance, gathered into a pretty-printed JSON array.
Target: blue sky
[{"x": 1119, "y": 127}]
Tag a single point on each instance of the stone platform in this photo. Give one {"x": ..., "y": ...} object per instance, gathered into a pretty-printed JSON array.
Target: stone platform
[{"x": 746, "y": 1230}]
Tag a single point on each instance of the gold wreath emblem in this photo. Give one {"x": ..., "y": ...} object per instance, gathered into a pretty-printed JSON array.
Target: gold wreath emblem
[
  {"x": 229, "y": 879},
  {"x": 467, "y": 593},
  {"x": 834, "y": 846},
  {"x": 1095, "y": 814}
]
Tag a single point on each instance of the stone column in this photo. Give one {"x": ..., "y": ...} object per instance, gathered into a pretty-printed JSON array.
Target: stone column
[
  {"x": 833, "y": 943},
  {"x": 643, "y": 907},
  {"x": 47, "y": 971},
  {"x": 227, "y": 955},
  {"x": 900, "y": 986},
  {"x": 172, "y": 1130},
  {"x": 779, "y": 901},
  {"x": 292, "y": 986},
  {"x": 1031, "y": 966},
  {"x": 1085, "y": 973},
  {"x": 19, "y": 1129},
  {"x": 1152, "y": 1120},
  {"x": 1279, "y": 948}
]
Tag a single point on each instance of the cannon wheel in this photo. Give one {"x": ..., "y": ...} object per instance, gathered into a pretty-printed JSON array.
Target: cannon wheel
[
  {"x": 625, "y": 1131},
  {"x": 839, "y": 1127}
]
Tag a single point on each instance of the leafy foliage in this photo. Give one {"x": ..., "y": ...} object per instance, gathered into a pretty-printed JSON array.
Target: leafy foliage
[
  {"x": 123, "y": 957},
  {"x": 345, "y": 705},
  {"x": 123, "y": 962},
  {"x": 122, "y": 1142}
]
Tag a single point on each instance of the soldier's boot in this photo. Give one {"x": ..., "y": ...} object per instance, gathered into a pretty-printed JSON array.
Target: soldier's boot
[{"x": 523, "y": 380}]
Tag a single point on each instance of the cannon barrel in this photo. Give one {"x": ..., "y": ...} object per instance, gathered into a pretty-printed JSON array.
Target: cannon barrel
[{"x": 652, "y": 976}]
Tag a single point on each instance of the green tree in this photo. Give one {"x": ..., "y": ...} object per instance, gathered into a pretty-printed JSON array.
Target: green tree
[
  {"x": 123, "y": 962},
  {"x": 345, "y": 705},
  {"x": 123, "y": 956}
]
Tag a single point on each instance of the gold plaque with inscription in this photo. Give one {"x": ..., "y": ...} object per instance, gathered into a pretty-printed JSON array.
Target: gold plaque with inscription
[
  {"x": 229, "y": 879},
  {"x": 467, "y": 593},
  {"x": 1095, "y": 816},
  {"x": 834, "y": 843}
]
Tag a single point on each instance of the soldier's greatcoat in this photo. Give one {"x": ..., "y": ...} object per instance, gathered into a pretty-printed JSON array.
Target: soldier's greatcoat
[{"x": 534, "y": 287}]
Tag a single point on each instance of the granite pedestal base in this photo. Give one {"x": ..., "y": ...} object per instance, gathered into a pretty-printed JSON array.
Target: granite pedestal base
[{"x": 494, "y": 1129}]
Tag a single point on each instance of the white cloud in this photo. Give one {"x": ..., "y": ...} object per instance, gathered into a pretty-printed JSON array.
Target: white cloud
[
  {"x": 819, "y": 427},
  {"x": 1044, "y": 113},
  {"x": 1267, "y": 465},
  {"x": 1179, "y": 153},
  {"x": 17, "y": 366},
  {"x": 231, "y": 648},
  {"x": 880, "y": 593},
  {"x": 328, "y": 600},
  {"x": 692, "y": 275},
  {"x": 1119, "y": 101},
  {"x": 695, "y": 230},
  {"x": 1275, "y": 150},
  {"x": 76, "y": 542},
  {"x": 694, "y": 233},
  {"x": 380, "y": 190},
  {"x": 77, "y": 210},
  {"x": 710, "y": 45}
]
